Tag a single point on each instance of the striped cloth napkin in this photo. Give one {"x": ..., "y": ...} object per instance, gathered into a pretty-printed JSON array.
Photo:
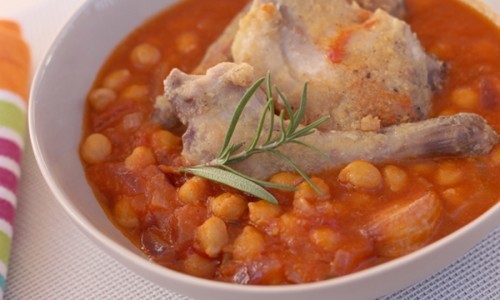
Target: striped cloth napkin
[{"x": 14, "y": 79}]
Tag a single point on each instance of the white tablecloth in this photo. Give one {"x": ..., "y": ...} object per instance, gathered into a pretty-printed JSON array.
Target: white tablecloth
[{"x": 52, "y": 259}]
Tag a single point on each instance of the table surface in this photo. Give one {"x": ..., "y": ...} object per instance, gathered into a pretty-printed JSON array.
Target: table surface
[{"x": 52, "y": 259}]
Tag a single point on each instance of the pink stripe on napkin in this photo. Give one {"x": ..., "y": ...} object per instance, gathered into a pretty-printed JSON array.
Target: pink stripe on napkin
[
  {"x": 7, "y": 211},
  {"x": 8, "y": 180},
  {"x": 10, "y": 149}
]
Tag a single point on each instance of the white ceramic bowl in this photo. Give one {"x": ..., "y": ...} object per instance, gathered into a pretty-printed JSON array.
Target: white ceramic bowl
[{"x": 55, "y": 117}]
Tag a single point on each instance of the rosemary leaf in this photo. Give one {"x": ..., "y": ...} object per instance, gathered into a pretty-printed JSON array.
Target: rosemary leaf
[
  {"x": 258, "y": 132},
  {"x": 236, "y": 116},
  {"x": 270, "y": 100},
  {"x": 299, "y": 114},
  {"x": 307, "y": 130},
  {"x": 312, "y": 148},
  {"x": 268, "y": 87},
  {"x": 284, "y": 132},
  {"x": 232, "y": 180},
  {"x": 236, "y": 147},
  {"x": 298, "y": 170},
  {"x": 289, "y": 110},
  {"x": 219, "y": 170},
  {"x": 261, "y": 182}
]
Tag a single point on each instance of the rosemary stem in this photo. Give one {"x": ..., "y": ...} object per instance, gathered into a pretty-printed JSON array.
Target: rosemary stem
[{"x": 278, "y": 133}]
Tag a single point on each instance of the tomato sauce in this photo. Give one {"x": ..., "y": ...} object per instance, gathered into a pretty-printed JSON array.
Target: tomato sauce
[{"x": 209, "y": 230}]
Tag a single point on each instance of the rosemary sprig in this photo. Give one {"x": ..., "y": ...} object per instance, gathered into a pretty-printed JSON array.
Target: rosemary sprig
[{"x": 219, "y": 169}]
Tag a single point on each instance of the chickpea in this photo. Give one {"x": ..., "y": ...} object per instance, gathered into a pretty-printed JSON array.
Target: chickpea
[
  {"x": 449, "y": 174},
  {"x": 286, "y": 178},
  {"x": 125, "y": 214},
  {"x": 194, "y": 191},
  {"x": 326, "y": 208},
  {"x": 96, "y": 148},
  {"x": 186, "y": 42},
  {"x": 465, "y": 97},
  {"x": 199, "y": 266},
  {"x": 228, "y": 206},
  {"x": 262, "y": 211},
  {"x": 303, "y": 206},
  {"x": 306, "y": 191},
  {"x": 100, "y": 98},
  {"x": 136, "y": 92},
  {"x": 326, "y": 238},
  {"x": 145, "y": 56},
  {"x": 453, "y": 197},
  {"x": 425, "y": 168},
  {"x": 212, "y": 236},
  {"x": 249, "y": 244},
  {"x": 117, "y": 80},
  {"x": 395, "y": 178},
  {"x": 289, "y": 224},
  {"x": 361, "y": 174},
  {"x": 164, "y": 139},
  {"x": 140, "y": 158}
]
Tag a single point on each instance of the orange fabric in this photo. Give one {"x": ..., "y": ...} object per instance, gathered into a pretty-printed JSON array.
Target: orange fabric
[{"x": 14, "y": 59}]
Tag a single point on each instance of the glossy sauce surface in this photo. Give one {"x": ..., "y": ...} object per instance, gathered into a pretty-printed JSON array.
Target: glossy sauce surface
[{"x": 209, "y": 230}]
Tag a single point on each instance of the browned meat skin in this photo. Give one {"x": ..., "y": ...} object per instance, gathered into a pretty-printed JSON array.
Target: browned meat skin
[
  {"x": 359, "y": 65},
  {"x": 206, "y": 103},
  {"x": 220, "y": 50}
]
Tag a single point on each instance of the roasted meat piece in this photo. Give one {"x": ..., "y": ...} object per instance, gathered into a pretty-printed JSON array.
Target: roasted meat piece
[
  {"x": 206, "y": 104},
  {"x": 360, "y": 66},
  {"x": 220, "y": 50}
]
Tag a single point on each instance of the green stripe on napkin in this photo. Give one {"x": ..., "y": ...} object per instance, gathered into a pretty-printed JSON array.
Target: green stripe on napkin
[
  {"x": 4, "y": 247},
  {"x": 12, "y": 117}
]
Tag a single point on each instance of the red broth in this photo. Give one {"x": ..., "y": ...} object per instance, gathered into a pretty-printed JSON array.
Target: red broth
[{"x": 209, "y": 230}]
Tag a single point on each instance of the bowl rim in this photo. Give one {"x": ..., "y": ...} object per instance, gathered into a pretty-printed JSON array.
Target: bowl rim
[{"x": 134, "y": 259}]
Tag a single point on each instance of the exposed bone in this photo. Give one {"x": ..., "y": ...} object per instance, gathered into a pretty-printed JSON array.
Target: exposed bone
[{"x": 206, "y": 103}]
